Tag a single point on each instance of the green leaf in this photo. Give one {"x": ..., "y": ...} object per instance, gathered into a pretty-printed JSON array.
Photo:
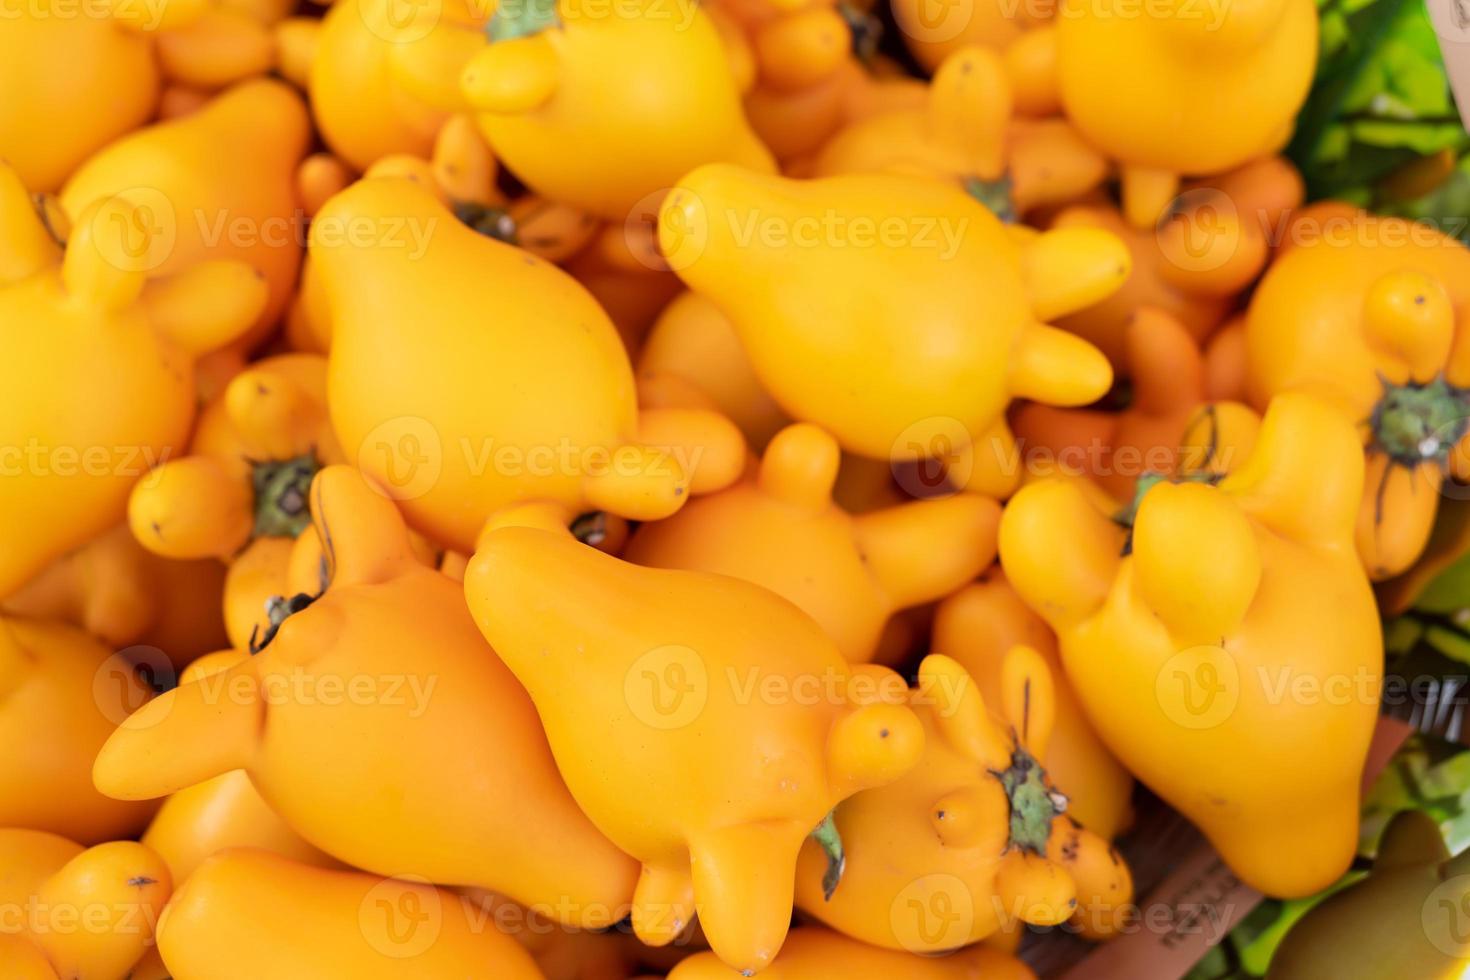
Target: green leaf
[
  {"x": 1380, "y": 99},
  {"x": 1449, "y": 592},
  {"x": 1451, "y": 643}
]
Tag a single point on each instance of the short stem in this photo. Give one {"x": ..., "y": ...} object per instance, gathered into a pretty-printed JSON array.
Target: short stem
[
  {"x": 995, "y": 195},
  {"x": 278, "y": 609},
  {"x": 830, "y": 840}
]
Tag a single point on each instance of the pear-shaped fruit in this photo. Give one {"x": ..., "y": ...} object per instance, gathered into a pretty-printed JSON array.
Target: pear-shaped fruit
[
  {"x": 99, "y": 362},
  {"x": 88, "y": 78},
  {"x": 453, "y": 780},
  {"x": 215, "y": 184},
  {"x": 1223, "y": 638},
  {"x": 706, "y": 724},
  {"x": 509, "y": 386},
  {"x": 895, "y": 312},
  {"x": 606, "y": 110}
]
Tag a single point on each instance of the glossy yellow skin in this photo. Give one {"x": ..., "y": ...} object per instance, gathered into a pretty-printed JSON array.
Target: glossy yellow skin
[
  {"x": 498, "y": 816},
  {"x": 89, "y": 914},
  {"x": 922, "y": 367},
  {"x": 966, "y": 128},
  {"x": 814, "y": 953},
  {"x": 612, "y": 106},
  {"x": 931, "y": 864},
  {"x": 780, "y": 529},
  {"x": 247, "y": 914},
  {"x": 641, "y": 679},
  {"x": 220, "y": 182},
  {"x": 1232, "y": 659},
  {"x": 978, "y": 626},
  {"x": 223, "y": 812},
  {"x": 1400, "y": 921},
  {"x": 1182, "y": 88},
  {"x": 87, "y": 330},
  {"x": 695, "y": 342},
  {"x": 1336, "y": 317},
  {"x": 110, "y": 86},
  {"x": 959, "y": 132},
  {"x": 361, "y": 76},
  {"x": 114, "y": 589},
  {"x": 203, "y": 505},
  {"x": 58, "y": 680},
  {"x": 471, "y": 413}
]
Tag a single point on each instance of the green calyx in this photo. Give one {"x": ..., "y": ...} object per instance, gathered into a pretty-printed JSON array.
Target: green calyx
[
  {"x": 278, "y": 609},
  {"x": 1035, "y": 803},
  {"x": 282, "y": 488},
  {"x": 830, "y": 840},
  {"x": 995, "y": 195},
  {"x": 1147, "y": 481},
  {"x": 521, "y": 18},
  {"x": 1415, "y": 423},
  {"x": 492, "y": 222}
]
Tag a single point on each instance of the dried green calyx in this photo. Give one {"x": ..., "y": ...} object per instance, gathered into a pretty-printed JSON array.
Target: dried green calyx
[
  {"x": 488, "y": 220},
  {"x": 995, "y": 195},
  {"x": 1419, "y": 423},
  {"x": 521, "y": 18},
  {"x": 282, "y": 489},
  {"x": 1035, "y": 803}
]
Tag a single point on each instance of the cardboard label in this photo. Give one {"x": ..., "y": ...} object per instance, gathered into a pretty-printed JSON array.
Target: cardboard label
[{"x": 1451, "y": 20}]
